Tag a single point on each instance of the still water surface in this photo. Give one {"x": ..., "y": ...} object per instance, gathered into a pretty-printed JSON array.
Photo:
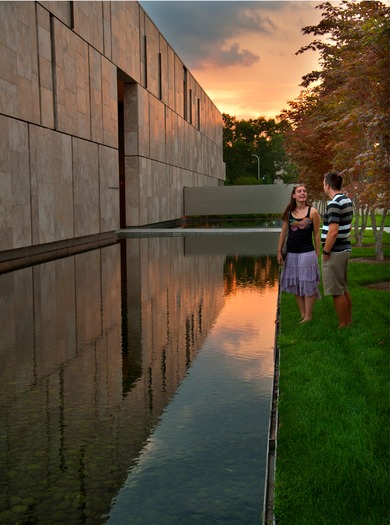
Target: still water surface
[{"x": 135, "y": 383}]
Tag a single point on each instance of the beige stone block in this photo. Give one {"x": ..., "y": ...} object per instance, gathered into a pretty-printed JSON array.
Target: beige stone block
[
  {"x": 110, "y": 104},
  {"x": 126, "y": 37},
  {"x": 72, "y": 82},
  {"x": 7, "y": 25},
  {"x": 88, "y": 22},
  {"x": 44, "y": 41},
  {"x": 131, "y": 143},
  {"x": 8, "y": 70},
  {"x": 107, "y": 29},
  {"x": 51, "y": 185},
  {"x": 109, "y": 189},
  {"x": 45, "y": 74},
  {"x": 143, "y": 121},
  {"x": 43, "y": 18},
  {"x": 164, "y": 70},
  {"x": 152, "y": 50},
  {"x": 60, "y": 10},
  {"x": 170, "y": 74},
  {"x": 47, "y": 108},
  {"x": 132, "y": 191},
  {"x": 15, "y": 212},
  {"x": 45, "y": 68},
  {"x": 19, "y": 69},
  {"x": 156, "y": 129},
  {"x": 86, "y": 187}
]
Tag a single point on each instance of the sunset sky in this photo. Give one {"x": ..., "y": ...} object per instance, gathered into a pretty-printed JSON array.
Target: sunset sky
[{"x": 242, "y": 53}]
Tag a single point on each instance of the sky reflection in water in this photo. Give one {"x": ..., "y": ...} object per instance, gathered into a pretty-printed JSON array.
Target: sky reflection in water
[{"x": 205, "y": 462}]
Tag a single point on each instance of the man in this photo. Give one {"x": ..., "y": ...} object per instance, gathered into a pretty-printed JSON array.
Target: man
[{"x": 336, "y": 247}]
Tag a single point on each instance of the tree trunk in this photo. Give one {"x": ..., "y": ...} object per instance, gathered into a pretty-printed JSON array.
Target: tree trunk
[
  {"x": 358, "y": 239},
  {"x": 378, "y": 234}
]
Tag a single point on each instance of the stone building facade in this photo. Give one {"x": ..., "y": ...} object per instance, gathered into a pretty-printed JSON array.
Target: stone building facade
[{"x": 101, "y": 124}]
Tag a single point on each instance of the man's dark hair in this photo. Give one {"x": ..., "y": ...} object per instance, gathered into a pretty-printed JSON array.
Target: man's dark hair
[{"x": 334, "y": 179}]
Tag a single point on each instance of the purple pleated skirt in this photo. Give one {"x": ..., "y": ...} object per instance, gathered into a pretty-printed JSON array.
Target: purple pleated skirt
[{"x": 301, "y": 274}]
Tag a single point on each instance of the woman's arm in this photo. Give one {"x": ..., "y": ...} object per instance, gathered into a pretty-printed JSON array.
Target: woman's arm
[
  {"x": 315, "y": 217},
  {"x": 282, "y": 237}
]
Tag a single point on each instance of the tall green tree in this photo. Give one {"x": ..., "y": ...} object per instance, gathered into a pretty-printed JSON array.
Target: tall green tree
[
  {"x": 245, "y": 140},
  {"x": 340, "y": 121}
]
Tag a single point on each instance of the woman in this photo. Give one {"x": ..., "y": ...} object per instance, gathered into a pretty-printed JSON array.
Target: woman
[{"x": 301, "y": 273}]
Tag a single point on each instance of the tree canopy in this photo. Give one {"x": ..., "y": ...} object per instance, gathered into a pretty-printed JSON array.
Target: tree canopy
[
  {"x": 340, "y": 120},
  {"x": 254, "y": 151}
]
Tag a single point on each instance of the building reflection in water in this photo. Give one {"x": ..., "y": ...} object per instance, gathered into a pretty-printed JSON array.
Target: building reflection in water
[{"x": 92, "y": 349}]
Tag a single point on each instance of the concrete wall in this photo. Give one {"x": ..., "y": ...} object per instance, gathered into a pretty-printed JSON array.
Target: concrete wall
[
  {"x": 67, "y": 69},
  {"x": 237, "y": 200}
]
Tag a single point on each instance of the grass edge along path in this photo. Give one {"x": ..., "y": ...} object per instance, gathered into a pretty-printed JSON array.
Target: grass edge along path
[{"x": 332, "y": 463}]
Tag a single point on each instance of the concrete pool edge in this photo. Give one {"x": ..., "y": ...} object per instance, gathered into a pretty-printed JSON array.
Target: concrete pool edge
[
  {"x": 174, "y": 232},
  {"x": 268, "y": 506}
]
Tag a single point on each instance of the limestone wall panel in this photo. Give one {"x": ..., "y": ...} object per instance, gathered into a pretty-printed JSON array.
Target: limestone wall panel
[
  {"x": 107, "y": 29},
  {"x": 170, "y": 73},
  {"x": 125, "y": 35},
  {"x": 156, "y": 129},
  {"x": 145, "y": 190},
  {"x": 96, "y": 94},
  {"x": 15, "y": 211},
  {"x": 143, "y": 122},
  {"x": 164, "y": 71},
  {"x": 179, "y": 78},
  {"x": 88, "y": 22},
  {"x": 51, "y": 185},
  {"x": 110, "y": 103},
  {"x": 19, "y": 89},
  {"x": 72, "y": 85},
  {"x": 45, "y": 67},
  {"x": 60, "y": 9},
  {"x": 86, "y": 187},
  {"x": 109, "y": 189},
  {"x": 132, "y": 189},
  {"x": 172, "y": 139},
  {"x": 152, "y": 51}
]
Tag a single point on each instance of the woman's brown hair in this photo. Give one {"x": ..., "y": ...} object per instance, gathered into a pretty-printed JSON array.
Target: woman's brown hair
[{"x": 291, "y": 206}]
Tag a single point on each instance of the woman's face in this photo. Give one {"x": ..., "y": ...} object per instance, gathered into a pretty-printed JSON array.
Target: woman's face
[{"x": 300, "y": 194}]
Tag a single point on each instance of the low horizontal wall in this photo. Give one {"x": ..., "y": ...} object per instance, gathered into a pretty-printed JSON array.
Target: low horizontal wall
[
  {"x": 255, "y": 244},
  {"x": 236, "y": 200}
]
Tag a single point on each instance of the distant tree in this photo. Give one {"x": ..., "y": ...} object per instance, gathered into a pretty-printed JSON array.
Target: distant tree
[
  {"x": 245, "y": 138},
  {"x": 340, "y": 121}
]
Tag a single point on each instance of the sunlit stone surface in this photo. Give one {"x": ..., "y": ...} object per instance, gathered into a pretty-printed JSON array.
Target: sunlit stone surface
[{"x": 86, "y": 87}]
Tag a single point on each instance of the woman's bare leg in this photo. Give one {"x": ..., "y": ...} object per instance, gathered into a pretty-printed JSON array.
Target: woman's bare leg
[
  {"x": 301, "y": 305},
  {"x": 309, "y": 305}
]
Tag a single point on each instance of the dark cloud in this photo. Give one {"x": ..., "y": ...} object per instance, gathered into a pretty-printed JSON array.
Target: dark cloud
[
  {"x": 232, "y": 56},
  {"x": 202, "y": 32}
]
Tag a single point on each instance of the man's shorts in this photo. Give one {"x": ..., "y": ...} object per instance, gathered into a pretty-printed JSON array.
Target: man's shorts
[{"x": 334, "y": 273}]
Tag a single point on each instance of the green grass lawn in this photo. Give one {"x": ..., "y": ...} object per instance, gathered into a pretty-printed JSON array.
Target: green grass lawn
[
  {"x": 378, "y": 220},
  {"x": 333, "y": 440}
]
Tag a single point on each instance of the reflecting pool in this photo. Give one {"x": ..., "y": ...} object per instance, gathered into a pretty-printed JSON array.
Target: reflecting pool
[{"x": 136, "y": 382}]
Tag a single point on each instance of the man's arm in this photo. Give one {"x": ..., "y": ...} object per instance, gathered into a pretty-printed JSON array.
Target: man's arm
[{"x": 331, "y": 236}]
